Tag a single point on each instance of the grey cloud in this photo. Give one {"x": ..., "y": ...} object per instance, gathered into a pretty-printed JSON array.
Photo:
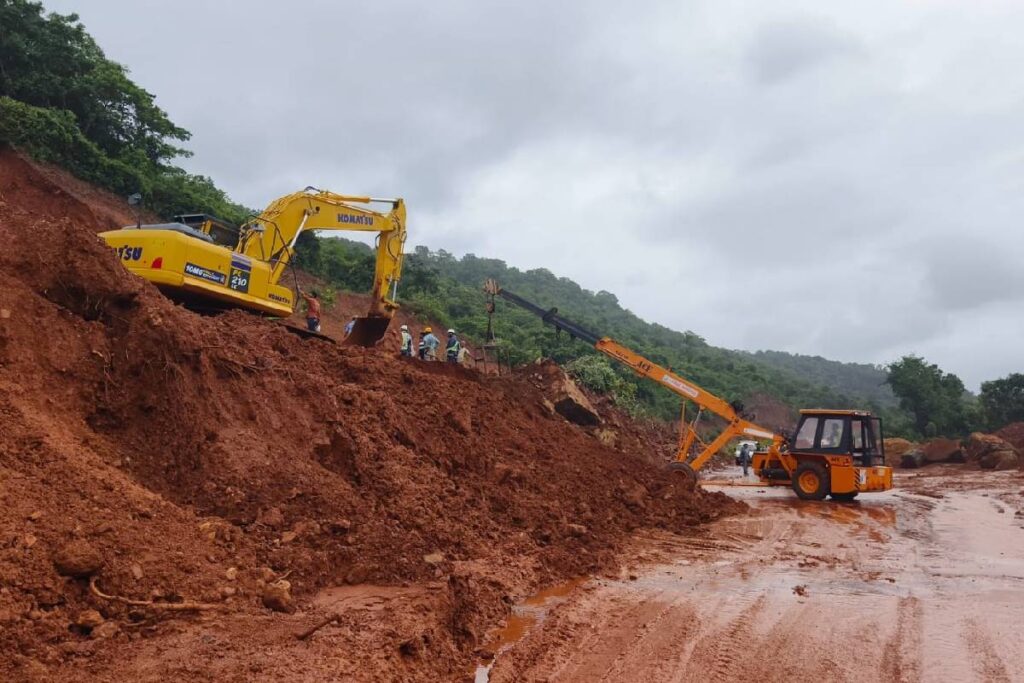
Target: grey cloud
[
  {"x": 780, "y": 51},
  {"x": 970, "y": 274}
]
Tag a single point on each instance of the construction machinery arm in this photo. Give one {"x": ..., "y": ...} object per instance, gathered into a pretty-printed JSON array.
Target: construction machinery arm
[
  {"x": 737, "y": 425},
  {"x": 271, "y": 236}
]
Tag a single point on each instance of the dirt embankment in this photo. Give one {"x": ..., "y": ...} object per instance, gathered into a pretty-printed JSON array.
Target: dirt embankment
[{"x": 173, "y": 457}]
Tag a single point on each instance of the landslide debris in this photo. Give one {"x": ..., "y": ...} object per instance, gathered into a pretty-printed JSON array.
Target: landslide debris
[{"x": 183, "y": 459}]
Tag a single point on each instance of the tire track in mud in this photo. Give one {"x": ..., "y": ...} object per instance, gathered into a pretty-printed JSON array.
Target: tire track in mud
[
  {"x": 983, "y": 656},
  {"x": 715, "y": 655},
  {"x": 901, "y": 660},
  {"x": 655, "y": 652}
]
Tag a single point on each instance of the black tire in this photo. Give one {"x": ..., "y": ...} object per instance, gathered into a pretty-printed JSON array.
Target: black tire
[
  {"x": 683, "y": 472},
  {"x": 811, "y": 481},
  {"x": 844, "y": 497}
]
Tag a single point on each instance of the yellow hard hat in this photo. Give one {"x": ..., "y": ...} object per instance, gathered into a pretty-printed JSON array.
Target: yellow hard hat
[{"x": 428, "y": 329}]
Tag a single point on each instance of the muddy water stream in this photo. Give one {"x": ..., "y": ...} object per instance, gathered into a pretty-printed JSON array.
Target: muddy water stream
[{"x": 524, "y": 617}]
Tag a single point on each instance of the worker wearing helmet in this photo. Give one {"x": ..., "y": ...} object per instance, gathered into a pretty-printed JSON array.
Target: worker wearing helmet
[
  {"x": 406, "y": 342},
  {"x": 451, "y": 349},
  {"x": 430, "y": 343}
]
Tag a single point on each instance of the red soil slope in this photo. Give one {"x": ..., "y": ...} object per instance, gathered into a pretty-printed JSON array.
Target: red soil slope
[{"x": 201, "y": 458}]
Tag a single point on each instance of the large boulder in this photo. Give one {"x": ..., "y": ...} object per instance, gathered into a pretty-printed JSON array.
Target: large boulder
[
  {"x": 942, "y": 450},
  {"x": 564, "y": 395},
  {"x": 931, "y": 452},
  {"x": 895, "y": 448},
  {"x": 572, "y": 404},
  {"x": 1000, "y": 460},
  {"x": 979, "y": 445},
  {"x": 912, "y": 459}
]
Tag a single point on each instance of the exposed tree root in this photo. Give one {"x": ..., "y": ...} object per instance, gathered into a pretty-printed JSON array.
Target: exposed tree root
[{"x": 186, "y": 606}]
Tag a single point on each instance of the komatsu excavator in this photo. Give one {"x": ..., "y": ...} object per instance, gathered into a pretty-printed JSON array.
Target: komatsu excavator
[
  {"x": 186, "y": 262},
  {"x": 837, "y": 453}
]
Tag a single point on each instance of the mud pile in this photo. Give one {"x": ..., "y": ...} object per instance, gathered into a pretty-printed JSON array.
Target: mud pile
[
  {"x": 174, "y": 457},
  {"x": 1014, "y": 434}
]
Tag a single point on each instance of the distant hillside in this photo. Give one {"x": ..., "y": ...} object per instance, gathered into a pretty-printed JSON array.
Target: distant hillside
[
  {"x": 858, "y": 380},
  {"x": 443, "y": 287}
]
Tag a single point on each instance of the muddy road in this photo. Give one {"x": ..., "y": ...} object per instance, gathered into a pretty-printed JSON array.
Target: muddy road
[{"x": 922, "y": 583}]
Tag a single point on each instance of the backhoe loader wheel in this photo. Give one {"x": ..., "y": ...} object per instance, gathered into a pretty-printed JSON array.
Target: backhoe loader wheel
[
  {"x": 844, "y": 497},
  {"x": 811, "y": 481},
  {"x": 682, "y": 472}
]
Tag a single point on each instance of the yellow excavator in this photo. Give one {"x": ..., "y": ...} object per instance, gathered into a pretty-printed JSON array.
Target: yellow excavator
[
  {"x": 837, "y": 453},
  {"x": 192, "y": 259}
]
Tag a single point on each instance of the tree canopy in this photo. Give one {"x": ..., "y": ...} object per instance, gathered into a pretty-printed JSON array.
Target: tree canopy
[
  {"x": 63, "y": 101},
  {"x": 937, "y": 400},
  {"x": 1002, "y": 400}
]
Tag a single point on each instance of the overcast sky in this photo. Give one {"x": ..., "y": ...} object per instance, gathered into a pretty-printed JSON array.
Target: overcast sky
[{"x": 843, "y": 179}]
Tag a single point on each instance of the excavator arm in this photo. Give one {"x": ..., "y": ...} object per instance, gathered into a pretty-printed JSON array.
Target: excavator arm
[
  {"x": 736, "y": 424},
  {"x": 271, "y": 236}
]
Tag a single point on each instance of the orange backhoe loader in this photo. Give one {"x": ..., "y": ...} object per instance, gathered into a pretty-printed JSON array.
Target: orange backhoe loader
[{"x": 837, "y": 453}]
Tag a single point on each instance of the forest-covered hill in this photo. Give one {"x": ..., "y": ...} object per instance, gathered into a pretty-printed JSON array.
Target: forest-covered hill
[{"x": 443, "y": 287}]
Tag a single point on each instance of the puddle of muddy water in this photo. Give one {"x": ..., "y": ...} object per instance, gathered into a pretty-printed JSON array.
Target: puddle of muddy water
[{"x": 524, "y": 617}]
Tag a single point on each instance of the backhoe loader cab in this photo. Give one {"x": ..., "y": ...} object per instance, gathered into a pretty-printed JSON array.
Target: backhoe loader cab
[{"x": 832, "y": 452}]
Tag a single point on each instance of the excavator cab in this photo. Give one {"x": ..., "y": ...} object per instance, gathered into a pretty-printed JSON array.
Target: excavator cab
[{"x": 220, "y": 231}]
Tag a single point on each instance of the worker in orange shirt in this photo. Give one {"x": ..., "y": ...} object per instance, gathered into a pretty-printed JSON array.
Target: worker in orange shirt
[{"x": 312, "y": 309}]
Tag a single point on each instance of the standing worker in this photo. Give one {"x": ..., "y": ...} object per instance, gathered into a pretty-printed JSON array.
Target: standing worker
[
  {"x": 431, "y": 342},
  {"x": 423, "y": 345},
  {"x": 451, "y": 349},
  {"x": 746, "y": 455},
  {"x": 349, "y": 325},
  {"x": 406, "y": 342},
  {"x": 312, "y": 310}
]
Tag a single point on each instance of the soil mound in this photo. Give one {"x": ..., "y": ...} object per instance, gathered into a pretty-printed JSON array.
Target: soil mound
[
  {"x": 166, "y": 458},
  {"x": 1013, "y": 433}
]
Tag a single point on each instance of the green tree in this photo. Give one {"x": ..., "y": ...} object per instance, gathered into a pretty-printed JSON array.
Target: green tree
[
  {"x": 50, "y": 61},
  {"x": 1002, "y": 400},
  {"x": 934, "y": 398},
  {"x": 597, "y": 374},
  {"x": 63, "y": 101}
]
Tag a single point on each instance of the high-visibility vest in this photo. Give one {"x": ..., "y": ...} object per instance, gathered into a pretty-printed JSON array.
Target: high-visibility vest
[
  {"x": 453, "y": 346},
  {"x": 406, "y": 341}
]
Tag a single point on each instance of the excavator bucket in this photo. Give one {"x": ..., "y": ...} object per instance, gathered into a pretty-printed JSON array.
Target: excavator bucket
[{"x": 367, "y": 331}]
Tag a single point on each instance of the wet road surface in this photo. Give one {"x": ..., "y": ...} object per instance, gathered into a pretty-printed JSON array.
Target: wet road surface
[{"x": 925, "y": 583}]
